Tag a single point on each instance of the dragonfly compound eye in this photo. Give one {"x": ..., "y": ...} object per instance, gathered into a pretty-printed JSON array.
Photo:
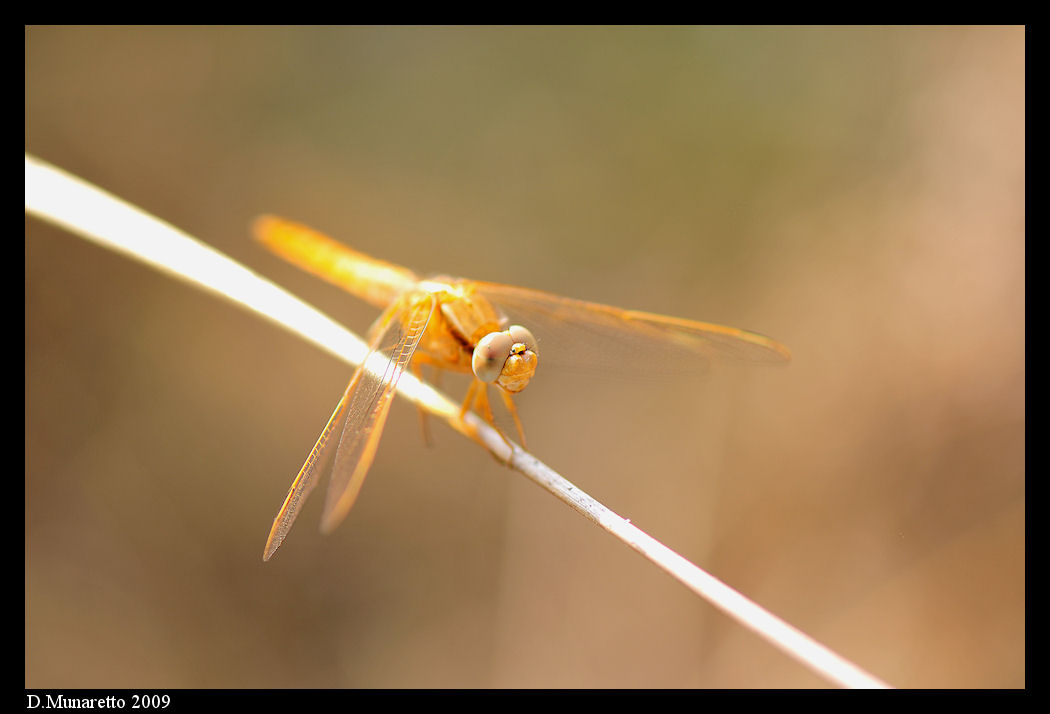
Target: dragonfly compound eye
[
  {"x": 490, "y": 355},
  {"x": 522, "y": 336}
]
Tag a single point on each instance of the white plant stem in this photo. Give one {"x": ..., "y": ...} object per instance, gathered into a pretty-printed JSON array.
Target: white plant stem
[{"x": 59, "y": 198}]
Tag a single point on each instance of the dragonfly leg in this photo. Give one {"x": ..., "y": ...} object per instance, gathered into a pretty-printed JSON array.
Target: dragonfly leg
[
  {"x": 477, "y": 396},
  {"x": 509, "y": 401},
  {"x": 469, "y": 400}
]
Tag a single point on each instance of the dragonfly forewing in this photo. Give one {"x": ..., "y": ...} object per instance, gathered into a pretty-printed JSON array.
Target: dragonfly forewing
[
  {"x": 616, "y": 335},
  {"x": 359, "y": 418},
  {"x": 369, "y": 406}
]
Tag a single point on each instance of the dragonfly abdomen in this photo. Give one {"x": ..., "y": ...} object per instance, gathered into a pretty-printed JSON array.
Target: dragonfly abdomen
[{"x": 375, "y": 281}]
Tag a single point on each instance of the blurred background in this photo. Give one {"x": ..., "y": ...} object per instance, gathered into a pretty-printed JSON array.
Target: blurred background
[{"x": 858, "y": 194}]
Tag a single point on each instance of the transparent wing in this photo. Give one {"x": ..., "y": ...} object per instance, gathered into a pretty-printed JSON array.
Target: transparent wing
[
  {"x": 368, "y": 407},
  {"x": 361, "y": 414},
  {"x": 305, "y": 480},
  {"x": 576, "y": 332}
]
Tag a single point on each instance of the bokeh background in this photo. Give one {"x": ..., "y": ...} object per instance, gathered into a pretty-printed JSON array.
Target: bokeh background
[{"x": 858, "y": 194}]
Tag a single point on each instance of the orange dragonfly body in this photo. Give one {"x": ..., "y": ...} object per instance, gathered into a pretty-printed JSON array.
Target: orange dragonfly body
[{"x": 462, "y": 326}]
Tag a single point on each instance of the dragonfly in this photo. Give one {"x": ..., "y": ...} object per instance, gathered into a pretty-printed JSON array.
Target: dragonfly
[{"x": 462, "y": 326}]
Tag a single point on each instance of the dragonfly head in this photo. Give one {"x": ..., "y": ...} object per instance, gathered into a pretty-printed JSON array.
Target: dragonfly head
[{"x": 507, "y": 358}]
